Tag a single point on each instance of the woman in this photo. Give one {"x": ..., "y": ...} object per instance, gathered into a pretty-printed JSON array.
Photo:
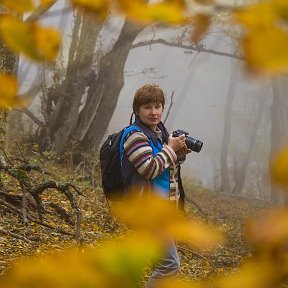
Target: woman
[{"x": 154, "y": 158}]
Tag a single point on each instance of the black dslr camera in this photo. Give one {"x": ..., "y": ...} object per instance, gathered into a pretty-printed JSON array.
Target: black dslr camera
[{"x": 193, "y": 144}]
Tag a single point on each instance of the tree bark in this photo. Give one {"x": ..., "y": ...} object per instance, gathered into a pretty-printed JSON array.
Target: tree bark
[
  {"x": 104, "y": 92},
  {"x": 7, "y": 63},
  {"x": 225, "y": 181},
  {"x": 241, "y": 172},
  {"x": 279, "y": 123},
  {"x": 64, "y": 116}
]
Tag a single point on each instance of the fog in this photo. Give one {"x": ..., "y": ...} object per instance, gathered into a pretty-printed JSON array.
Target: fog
[{"x": 201, "y": 84}]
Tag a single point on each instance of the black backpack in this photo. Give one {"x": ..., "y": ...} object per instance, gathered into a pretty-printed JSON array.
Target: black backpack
[{"x": 111, "y": 153}]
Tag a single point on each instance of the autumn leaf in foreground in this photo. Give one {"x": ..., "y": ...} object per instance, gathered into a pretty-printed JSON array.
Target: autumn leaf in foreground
[
  {"x": 201, "y": 26},
  {"x": 252, "y": 274},
  {"x": 117, "y": 263},
  {"x": 270, "y": 228},
  {"x": 31, "y": 39},
  {"x": 265, "y": 38},
  {"x": 47, "y": 41},
  {"x": 152, "y": 213},
  {"x": 172, "y": 11},
  {"x": 19, "y": 6},
  {"x": 98, "y": 7},
  {"x": 8, "y": 92},
  {"x": 279, "y": 168}
]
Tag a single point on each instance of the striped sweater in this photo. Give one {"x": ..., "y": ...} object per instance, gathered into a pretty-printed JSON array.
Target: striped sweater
[{"x": 139, "y": 153}]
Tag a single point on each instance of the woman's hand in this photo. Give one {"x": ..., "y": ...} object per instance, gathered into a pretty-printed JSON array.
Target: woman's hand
[
  {"x": 183, "y": 152},
  {"x": 177, "y": 143}
]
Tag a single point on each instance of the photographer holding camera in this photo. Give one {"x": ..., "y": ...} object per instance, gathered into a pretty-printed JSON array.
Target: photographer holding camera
[{"x": 154, "y": 157}]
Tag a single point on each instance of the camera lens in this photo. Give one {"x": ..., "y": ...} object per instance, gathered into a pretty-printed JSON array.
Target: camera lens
[{"x": 194, "y": 144}]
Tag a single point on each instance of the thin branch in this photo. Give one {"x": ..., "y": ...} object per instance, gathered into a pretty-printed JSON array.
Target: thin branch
[
  {"x": 14, "y": 235},
  {"x": 39, "y": 11},
  {"x": 198, "y": 48},
  {"x": 31, "y": 116},
  {"x": 170, "y": 107},
  {"x": 183, "y": 251},
  {"x": 18, "y": 212},
  {"x": 20, "y": 150}
]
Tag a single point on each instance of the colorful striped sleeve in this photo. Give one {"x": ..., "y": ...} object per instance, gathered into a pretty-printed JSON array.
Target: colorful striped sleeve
[{"x": 139, "y": 153}]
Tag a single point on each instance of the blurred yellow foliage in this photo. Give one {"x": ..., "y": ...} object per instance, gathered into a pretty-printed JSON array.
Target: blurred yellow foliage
[
  {"x": 31, "y": 39},
  {"x": 47, "y": 42},
  {"x": 202, "y": 24},
  {"x": 173, "y": 282},
  {"x": 19, "y": 6},
  {"x": 157, "y": 215},
  {"x": 99, "y": 7},
  {"x": 265, "y": 39},
  {"x": 173, "y": 12},
  {"x": 116, "y": 263},
  {"x": 252, "y": 274},
  {"x": 279, "y": 168},
  {"x": 271, "y": 228},
  {"x": 18, "y": 36},
  {"x": 8, "y": 92},
  {"x": 46, "y": 2}
]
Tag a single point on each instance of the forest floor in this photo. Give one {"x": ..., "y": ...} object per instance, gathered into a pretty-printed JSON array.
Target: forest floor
[{"x": 226, "y": 212}]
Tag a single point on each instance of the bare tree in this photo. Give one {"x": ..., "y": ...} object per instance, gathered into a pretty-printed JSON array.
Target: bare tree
[
  {"x": 241, "y": 171},
  {"x": 279, "y": 123},
  {"x": 7, "y": 64},
  {"x": 225, "y": 175}
]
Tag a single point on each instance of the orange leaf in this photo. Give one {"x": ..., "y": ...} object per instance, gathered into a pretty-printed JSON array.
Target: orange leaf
[
  {"x": 18, "y": 36},
  {"x": 99, "y": 7},
  {"x": 173, "y": 12},
  {"x": 266, "y": 50},
  {"x": 270, "y": 228},
  {"x": 47, "y": 42},
  {"x": 8, "y": 92},
  {"x": 31, "y": 39},
  {"x": 19, "y": 6},
  {"x": 202, "y": 24},
  {"x": 279, "y": 168}
]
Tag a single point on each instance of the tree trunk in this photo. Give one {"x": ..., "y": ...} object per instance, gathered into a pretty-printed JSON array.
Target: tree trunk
[
  {"x": 279, "y": 123},
  {"x": 225, "y": 181},
  {"x": 241, "y": 172},
  {"x": 103, "y": 93},
  {"x": 65, "y": 115},
  {"x": 7, "y": 64}
]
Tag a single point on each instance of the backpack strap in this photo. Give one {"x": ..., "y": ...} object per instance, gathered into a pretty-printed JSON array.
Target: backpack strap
[{"x": 126, "y": 131}]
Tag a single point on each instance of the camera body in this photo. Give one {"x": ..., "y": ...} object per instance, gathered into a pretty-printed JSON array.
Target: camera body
[{"x": 192, "y": 143}]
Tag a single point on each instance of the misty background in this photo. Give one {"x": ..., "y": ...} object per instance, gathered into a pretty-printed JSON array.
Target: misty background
[{"x": 88, "y": 94}]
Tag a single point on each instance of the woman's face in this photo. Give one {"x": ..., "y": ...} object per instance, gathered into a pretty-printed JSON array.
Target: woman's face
[{"x": 150, "y": 114}]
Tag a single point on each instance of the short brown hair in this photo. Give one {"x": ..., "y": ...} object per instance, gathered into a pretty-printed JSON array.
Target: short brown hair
[{"x": 149, "y": 93}]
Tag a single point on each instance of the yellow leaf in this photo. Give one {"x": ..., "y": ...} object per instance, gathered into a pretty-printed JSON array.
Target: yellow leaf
[
  {"x": 172, "y": 12},
  {"x": 204, "y": 2},
  {"x": 48, "y": 42},
  {"x": 19, "y": 6},
  {"x": 154, "y": 214},
  {"x": 202, "y": 24},
  {"x": 271, "y": 228},
  {"x": 8, "y": 92},
  {"x": 99, "y": 7},
  {"x": 18, "y": 36},
  {"x": 265, "y": 40},
  {"x": 117, "y": 263},
  {"x": 279, "y": 168},
  {"x": 31, "y": 39},
  {"x": 173, "y": 282},
  {"x": 266, "y": 50},
  {"x": 257, "y": 16},
  {"x": 46, "y": 2},
  {"x": 253, "y": 274},
  {"x": 202, "y": 236}
]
